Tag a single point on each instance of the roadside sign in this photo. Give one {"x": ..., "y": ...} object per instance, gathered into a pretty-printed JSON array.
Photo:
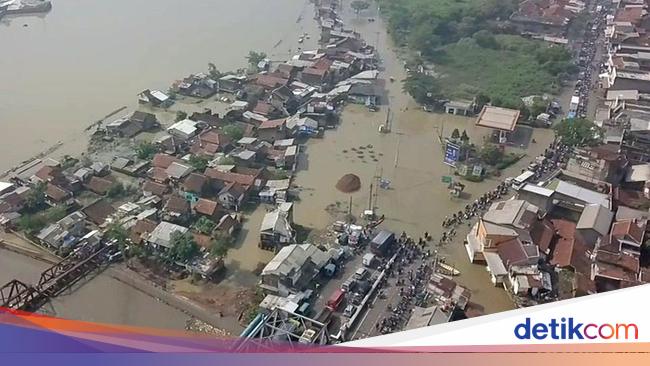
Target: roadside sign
[
  {"x": 452, "y": 154},
  {"x": 477, "y": 171},
  {"x": 446, "y": 179}
]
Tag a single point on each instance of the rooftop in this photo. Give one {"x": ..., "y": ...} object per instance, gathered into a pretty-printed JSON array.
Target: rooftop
[{"x": 498, "y": 118}]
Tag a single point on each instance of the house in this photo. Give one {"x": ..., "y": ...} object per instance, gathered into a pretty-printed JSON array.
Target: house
[
  {"x": 160, "y": 237},
  {"x": 228, "y": 224},
  {"x": 197, "y": 85},
  {"x": 597, "y": 165},
  {"x": 98, "y": 211},
  {"x": 292, "y": 269},
  {"x": 613, "y": 270},
  {"x": 155, "y": 98},
  {"x": 272, "y": 130},
  {"x": 99, "y": 185},
  {"x": 366, "y": 94},
  {"x": 141, "y": 230},
  {"x": 448, "y": 292},
  {"x": 11, "y": 202},
  {"x": 156, "y": 189},
  {"x": 594, "y": 223},
  {"x": 196, "y": 183},
  {"x": 184, "y": 130},
  {"x": 628, "y": 235},
  {"x": 146, "y": 121},
  {"x": 247, "y": 178},
  {"x": 208, "y": 208},
  {"x": 123, "y": 127},
  {"x": 276, "y": 229},
  {"x": 176, "y": 209},
  {"x": 504, "y": 221},
  {"x": 270, "y": 82},
  {"x": 574, "y": 197},
  {"x": 462, "y": 107},
  {"x": 297, "y": 125},
  {"x": 99, "y": 168},
  {"x": 211, "y": 142},
  {"x": 66, "y": 231},
  {"x": 232, "y": 195},
  {"x": 231, "y": 83},
  {"x": 317, "y": 77},
  {"x": 266, "y": 109},
  {"x": 572, "y": 258},
  {"x": 56, "y": 195},
  {"x": 177, "y": 171},
  {"x": 212, "y": 120},
  {"x": 83, "y": 174}
]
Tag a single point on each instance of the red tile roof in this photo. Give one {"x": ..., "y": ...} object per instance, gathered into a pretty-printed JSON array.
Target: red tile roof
[
  {"x": 206, "y": 207},
  {"x": 177, "y": 204},
  {"x": 158, "y": 174},
  {"x": 272, "y": 124},
  {"x": 154, "y": 188},
  {"x": 99, "y": 185},
  {"x": 57, "y": 193},
  {"x": 214, "y": 137},
  {"x": 569, "y": 249},
  {"x": 263, "y": 108},
  {"x": 270, "y": 81},
  {"x": 142, "y": 227},
  {"x": 632, "y": 230},
  {"x": 542, "y": 233},
  {"x": 195, "y": 182},
  {"x": 229, "y": 177},
  {"x": 163, "y": 160}
]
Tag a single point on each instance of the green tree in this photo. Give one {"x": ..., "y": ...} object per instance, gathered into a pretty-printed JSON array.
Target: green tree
[
  {"x": 117, "y": 232},
  {"x": 234, "y": 132},
  {"x": 55, "y": 213},
  {"x": 220, "y": 245},
  {"x": 422, "y": 87},
  {"x": 464, "y": 137},
  {"x": 183, "y": 247},
  {"x": 359, "y": 5},
  {"x": 578, "y": 132},
  {"x": 204, "y": 225},
  {"x": 455, "y": 134},
  {"x": 180, "y": 115},
  {"x": 31, "y": 224},
  {"x": 486, "y": 39},
  {"x": 213, "y": 72},
  {"x": 255, "y": 58},
  {"x": 35, "y": 198},
  {"x": 491, "y": 154},
  {"x": 116, "y": 190},
  {"x": 199, "y": 163},
  {"x": 146, "y": 150}
]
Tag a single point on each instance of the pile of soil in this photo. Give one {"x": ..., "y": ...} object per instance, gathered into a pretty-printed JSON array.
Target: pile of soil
[{"x": 349, "y": 183}]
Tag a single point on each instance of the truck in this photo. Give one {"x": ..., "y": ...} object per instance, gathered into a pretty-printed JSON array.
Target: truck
[
  {"x": 575, "y": 103},
  {"x": 336, "y": 299},
  {"x": 382, "y": 242}
]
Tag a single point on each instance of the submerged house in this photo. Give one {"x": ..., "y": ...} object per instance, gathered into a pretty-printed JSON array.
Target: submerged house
[
  {"x": 276, "y": 229},
  {"x": 293, "y": 269}
]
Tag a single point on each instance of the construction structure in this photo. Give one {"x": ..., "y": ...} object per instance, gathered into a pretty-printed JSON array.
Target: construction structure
[
  {"x": 502, "y": 120},
  {"x": 282, "y": 328}
]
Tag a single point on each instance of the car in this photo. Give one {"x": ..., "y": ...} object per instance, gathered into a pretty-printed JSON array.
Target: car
[
  {"x": 349, "y": 310},
  {"x": 361, "y": 274},
  {"x": 115, "y": 257}
]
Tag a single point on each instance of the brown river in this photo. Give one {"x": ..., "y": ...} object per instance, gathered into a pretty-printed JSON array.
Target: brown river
[{"x": 86, "y": 58}]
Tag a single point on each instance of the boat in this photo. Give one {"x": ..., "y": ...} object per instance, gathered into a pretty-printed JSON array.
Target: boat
[{"x": 446, "y": 269}]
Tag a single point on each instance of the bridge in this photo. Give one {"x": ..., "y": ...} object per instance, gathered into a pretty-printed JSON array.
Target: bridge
[{"x": 17, "y": 295}]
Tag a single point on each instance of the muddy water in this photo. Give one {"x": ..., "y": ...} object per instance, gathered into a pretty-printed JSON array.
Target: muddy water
[
  {"x": 105, "y": 300},
  {"x": 87, "y": 58},
  {"x": 411, "y": 158}
]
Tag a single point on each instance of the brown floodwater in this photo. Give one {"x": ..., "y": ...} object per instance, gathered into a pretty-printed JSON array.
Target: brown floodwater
[{"x": 87, "y": 58}]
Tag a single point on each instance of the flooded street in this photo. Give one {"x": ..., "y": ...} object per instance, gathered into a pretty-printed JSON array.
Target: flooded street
[
  {"x": 411, "y": 158},
  {"x": 87, "y": 58},
  {"x": 105, "y": 300}
]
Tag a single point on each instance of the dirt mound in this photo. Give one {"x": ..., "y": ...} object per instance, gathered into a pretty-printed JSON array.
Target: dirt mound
[{"x": 349, "y": 183}]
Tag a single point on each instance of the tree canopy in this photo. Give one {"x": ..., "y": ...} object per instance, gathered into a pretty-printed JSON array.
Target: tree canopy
[
  {"x": 255, "y": 58},
  {"x": 578, "y": 132},
  {"x": 183, "y": 247},
  {"x": 359, "y": 5},
  {"x": 204, "y": 225},
  {"x": 199, "y": 163},
  {"x": 234, "y": 132},
  {"x": 422, "y": 87},
  {"x": 146, "y": 150}
]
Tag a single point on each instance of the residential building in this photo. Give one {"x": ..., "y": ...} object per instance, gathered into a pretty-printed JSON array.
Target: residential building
[
  {"x": 293, "y": 269},
  {"x": 160, "y": 237}
]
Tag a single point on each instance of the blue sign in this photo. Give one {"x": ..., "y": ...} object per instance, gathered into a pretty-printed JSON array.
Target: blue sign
[{"x": 452, "y": 154}]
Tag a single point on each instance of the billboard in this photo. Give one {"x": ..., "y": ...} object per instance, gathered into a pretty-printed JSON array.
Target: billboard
[{"x": 452, "y": 154}]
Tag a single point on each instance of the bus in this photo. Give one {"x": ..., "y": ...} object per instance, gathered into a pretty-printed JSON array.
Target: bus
[{"x": 522, "y": 179}]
